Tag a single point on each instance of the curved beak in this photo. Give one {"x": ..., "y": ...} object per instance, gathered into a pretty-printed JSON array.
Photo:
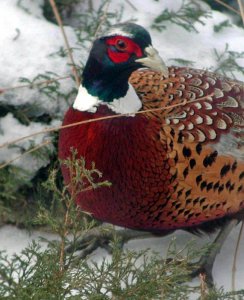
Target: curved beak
[{"x": 153, "y": 61}]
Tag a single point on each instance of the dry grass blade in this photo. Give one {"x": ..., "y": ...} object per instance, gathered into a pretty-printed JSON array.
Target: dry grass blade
[
  {"x": 241, "y": 5},
  {"x": 85, "y": 122},
  {"x": 131, "y": 5},
  {"x": 235, "y": 256},
  {"x": 101, "y": 119},
  {"x": 228, "y": 6},
  {"x": 45, "y": 143},
  {"x": 60, "y": 23},
  {"x": 91, "y": 121}
]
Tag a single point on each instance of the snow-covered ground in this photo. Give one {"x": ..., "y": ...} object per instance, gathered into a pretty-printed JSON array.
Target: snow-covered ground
[{"x": 28, "y": 42}]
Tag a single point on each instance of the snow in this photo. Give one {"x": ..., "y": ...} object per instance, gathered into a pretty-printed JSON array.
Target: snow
[
  {"x": 222, "y": 270},
  {"x": 27, "y": 54},
  {"x": 14, "y": 240},
  {"x": 12, "y": 128},
  {"x": 28, "y": 43}
]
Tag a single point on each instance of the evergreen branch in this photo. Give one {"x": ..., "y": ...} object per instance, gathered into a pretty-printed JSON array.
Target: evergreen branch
[
  {"x": 227, "y": 62},
  {"x": 55, "y": 274},
  {"x": 32, "y": 85},
  {"x": 186, "y": 16},
  {"x": 183, "y": 62},
  {"x": 222, "y": 25}
]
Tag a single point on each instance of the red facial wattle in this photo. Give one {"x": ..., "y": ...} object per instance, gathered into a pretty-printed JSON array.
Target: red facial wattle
[{"x": 121, "y": 48}]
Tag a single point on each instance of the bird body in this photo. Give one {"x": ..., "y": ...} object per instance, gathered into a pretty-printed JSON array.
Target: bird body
[{"x": 177, "y": 165}]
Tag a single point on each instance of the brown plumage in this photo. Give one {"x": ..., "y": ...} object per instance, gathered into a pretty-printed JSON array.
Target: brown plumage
[{"x": 205, "y": 142}]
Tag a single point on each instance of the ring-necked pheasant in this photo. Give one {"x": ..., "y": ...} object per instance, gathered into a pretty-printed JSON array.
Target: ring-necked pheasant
[{"x": 173, "y": 168}]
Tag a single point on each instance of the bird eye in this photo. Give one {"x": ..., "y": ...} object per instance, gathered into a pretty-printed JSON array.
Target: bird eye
[{"x": 121, "y": 45}]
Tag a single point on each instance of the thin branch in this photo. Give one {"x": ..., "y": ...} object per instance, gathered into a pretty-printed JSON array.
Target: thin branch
[
  {"x": 228, "y": 6},
  {"x": 90, "y": 5},
  {"x": 89, "y": 121},
  {"x": 63, "y": 237},
  {"x": 60, "y": 23},
  {"x": 85, "y": 122},
  {"x": 236, "y": 255},
  {"x": 203, "y": 285},
  {"x": 24, "y": 153},
  {"x": 241, "y": 5},
  {"x": 131, "y": 5},
  {"x": 103, "y": 118},
  {"x": 6, "y": 89}
]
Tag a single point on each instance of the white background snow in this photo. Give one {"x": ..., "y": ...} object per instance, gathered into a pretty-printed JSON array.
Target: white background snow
[{"x": 28, "y": 53}]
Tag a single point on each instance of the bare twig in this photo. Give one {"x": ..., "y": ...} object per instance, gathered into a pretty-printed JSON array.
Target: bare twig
[
  {"x": 241, "y": 5},
  {"x": 203, "y": 286},
  {"x": 60, "y": 23},
  {"x": 228, "y": 6},
  {"x": 236, "y": 255},
  {"x": 45, "y": 143}
]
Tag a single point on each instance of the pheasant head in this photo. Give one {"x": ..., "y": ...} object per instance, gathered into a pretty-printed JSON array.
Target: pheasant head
[{"x": 114, "y": 56}]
